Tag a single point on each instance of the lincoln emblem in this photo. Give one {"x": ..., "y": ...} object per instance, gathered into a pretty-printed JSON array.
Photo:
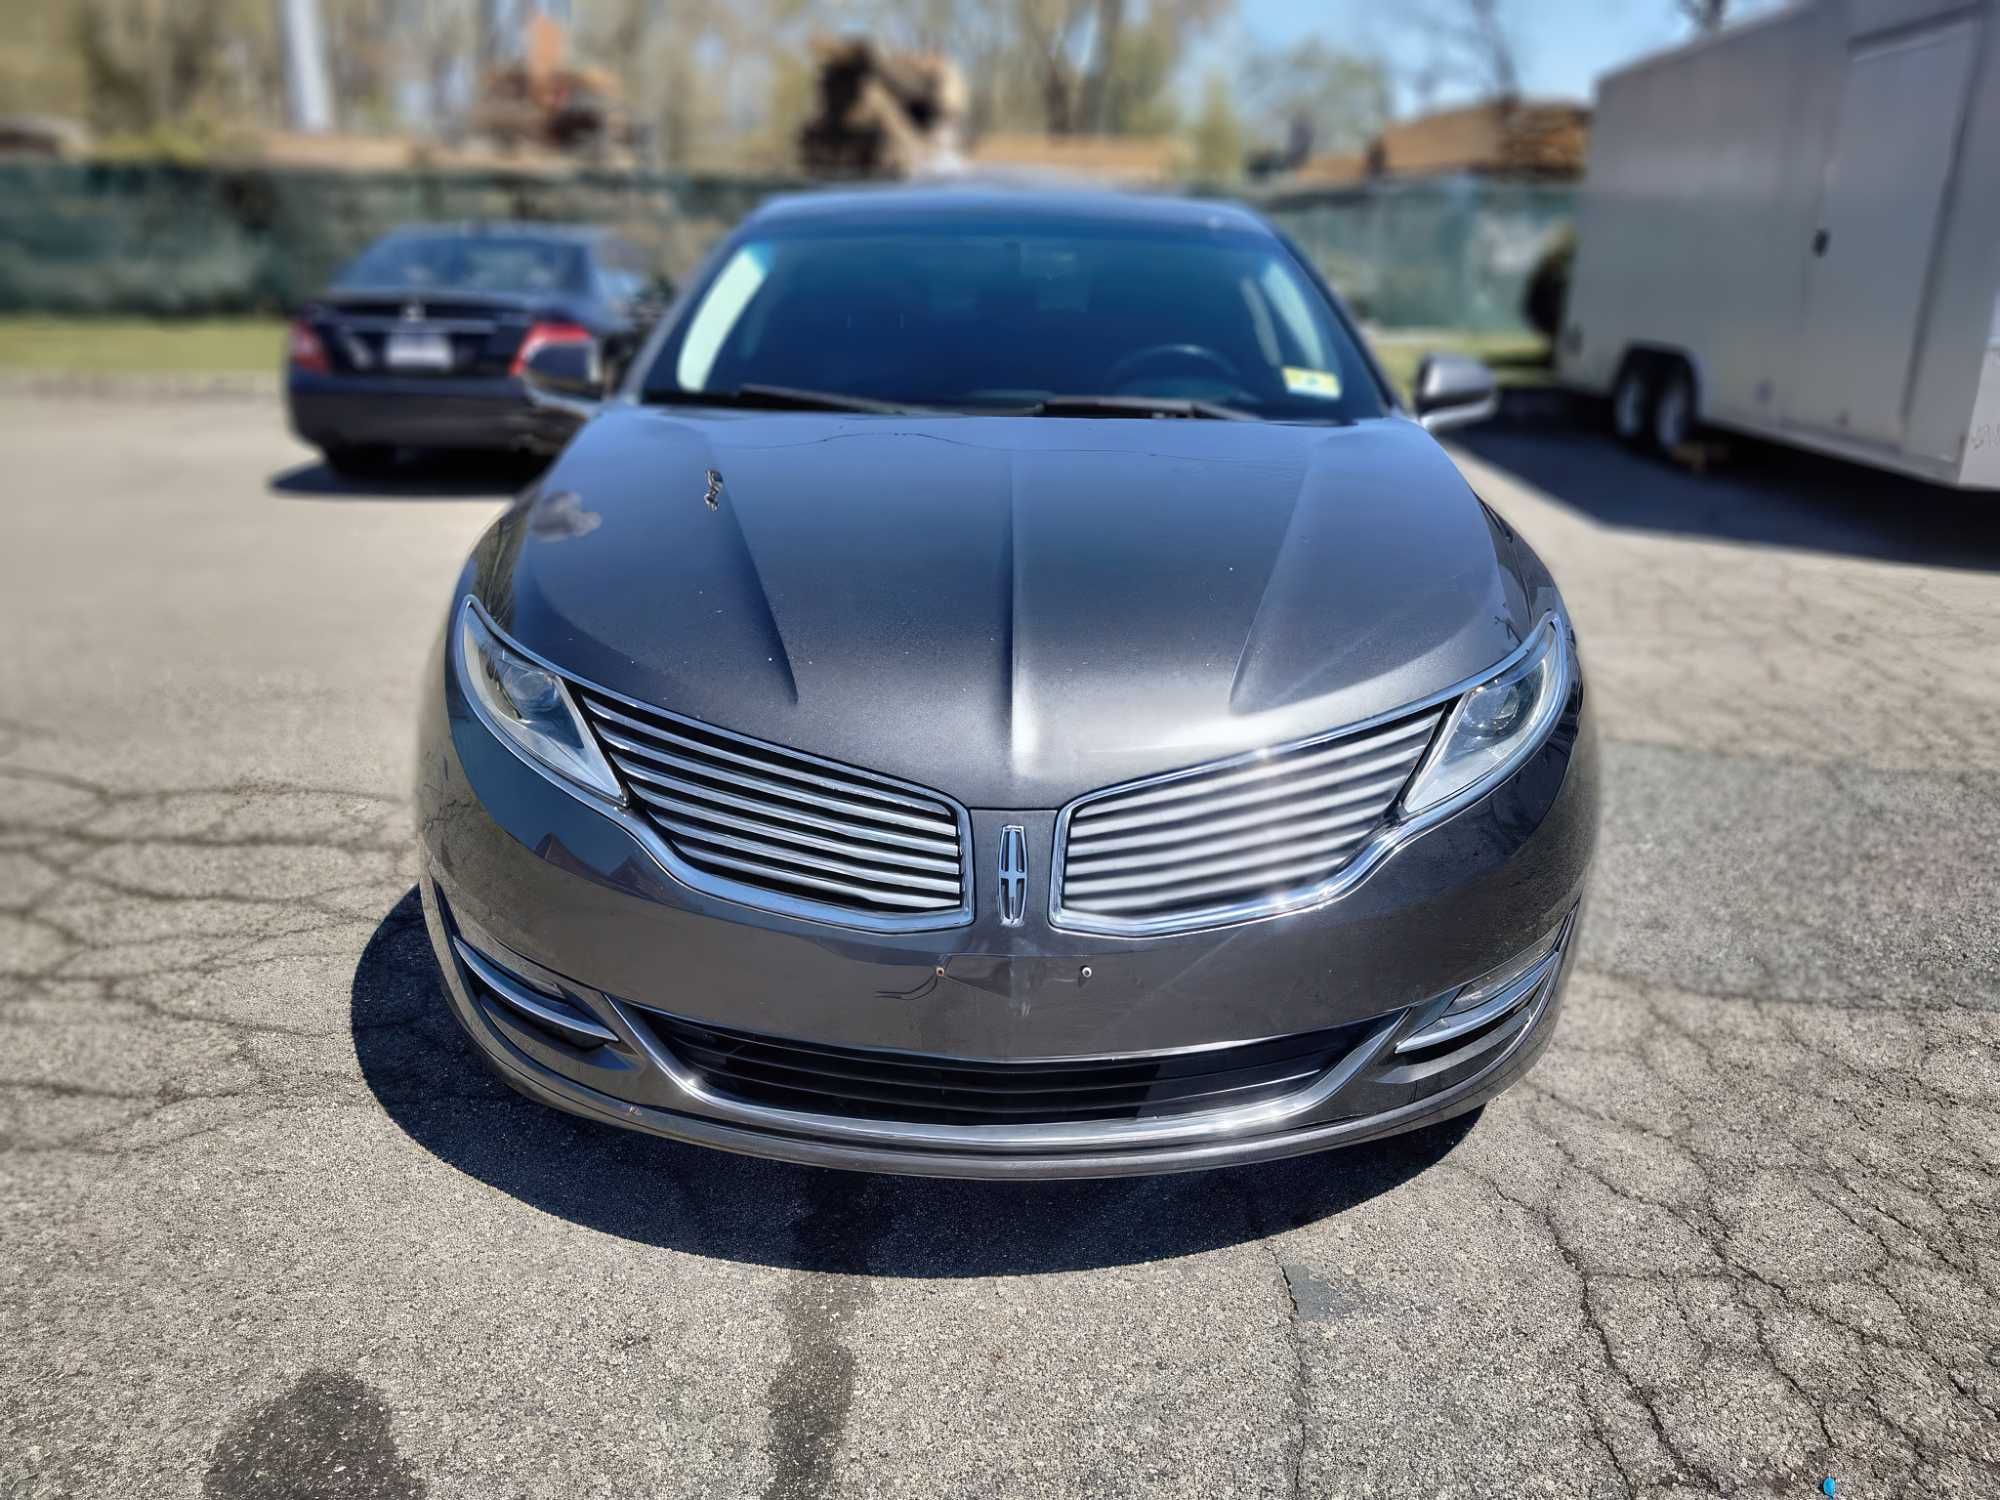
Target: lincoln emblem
[{"x": 1013, "y": 875}]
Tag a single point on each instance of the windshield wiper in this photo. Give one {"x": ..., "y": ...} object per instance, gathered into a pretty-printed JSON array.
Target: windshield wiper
[
  {"x": 792, "y": 398},
  {"x": 778, "y": 398},
  {"x": 1138, "y": 406}
]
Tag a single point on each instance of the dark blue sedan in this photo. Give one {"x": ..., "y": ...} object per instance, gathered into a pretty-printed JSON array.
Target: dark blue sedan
[{"x": 420, "y": 342}]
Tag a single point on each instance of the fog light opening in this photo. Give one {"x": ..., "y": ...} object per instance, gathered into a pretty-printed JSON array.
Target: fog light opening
[
  {"x": 1493, "y": 996},
  {"x": 549, "y": 1014}
]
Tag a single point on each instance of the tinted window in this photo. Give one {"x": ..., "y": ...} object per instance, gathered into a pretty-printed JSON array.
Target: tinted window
[
  {"x": 974, "y": 316},
  {"x": 467, "y": 263}
]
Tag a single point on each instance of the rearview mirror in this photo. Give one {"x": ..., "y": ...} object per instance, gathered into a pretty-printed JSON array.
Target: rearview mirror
[
  {"x": 1454, "y": 390},
  {"x": 568, "y": 378}
]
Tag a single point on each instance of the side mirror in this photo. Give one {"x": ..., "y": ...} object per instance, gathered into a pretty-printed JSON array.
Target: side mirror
[
  {"x": 1454, "y": 390},
  {"x": 567, "y": 378}
]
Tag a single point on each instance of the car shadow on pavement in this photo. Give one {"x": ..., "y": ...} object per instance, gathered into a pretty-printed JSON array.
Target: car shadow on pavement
[
  {"x": 425, "y": 1073},
  {"x": 1759, "y": 493},
  {"x": 476, "y": 476}
]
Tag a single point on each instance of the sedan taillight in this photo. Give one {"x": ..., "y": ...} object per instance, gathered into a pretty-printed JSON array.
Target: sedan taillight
[
  {"x": 304, "y": 351},
  {"x": 540, "y": 335}
]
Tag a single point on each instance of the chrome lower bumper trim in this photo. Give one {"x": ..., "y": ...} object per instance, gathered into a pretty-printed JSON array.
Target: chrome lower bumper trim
[
  {"x": 1135, "y": 1135},
  {"x": 1518, "y": 1056},
  {"x": 678, "y": 1102}
]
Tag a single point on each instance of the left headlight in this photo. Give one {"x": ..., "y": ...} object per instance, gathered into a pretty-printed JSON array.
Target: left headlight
[
  {"x": 1498, "y": 724},
  {"x": 526, "y": 705}
]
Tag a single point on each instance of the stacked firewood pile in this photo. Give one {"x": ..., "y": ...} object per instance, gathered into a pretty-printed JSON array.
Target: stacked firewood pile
[
  {"x": 881, "y": 114},
  {"x": 1507, "y": 137}
]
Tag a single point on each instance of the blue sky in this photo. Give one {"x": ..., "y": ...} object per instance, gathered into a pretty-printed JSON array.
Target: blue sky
[{"x": 1562, "y": 45}]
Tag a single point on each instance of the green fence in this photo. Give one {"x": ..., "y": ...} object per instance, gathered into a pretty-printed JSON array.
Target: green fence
[
  {"x": 162, "y": 240},
  {"x": 1451, "y": 252}
]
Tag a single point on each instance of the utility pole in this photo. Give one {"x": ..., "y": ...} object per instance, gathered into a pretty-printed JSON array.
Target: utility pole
[{"x": 309, "y": 99}]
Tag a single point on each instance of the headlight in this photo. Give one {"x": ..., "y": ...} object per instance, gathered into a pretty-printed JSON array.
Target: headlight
[
  {"x": 1498, "y": 724},
  {"x": 527, "y": 706}
]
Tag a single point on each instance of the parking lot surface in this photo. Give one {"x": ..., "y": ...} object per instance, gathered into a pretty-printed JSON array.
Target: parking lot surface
[{"x": 266, "y": 1229}]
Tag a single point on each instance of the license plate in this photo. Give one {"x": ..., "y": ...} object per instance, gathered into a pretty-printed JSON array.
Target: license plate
[{"x": 417, "y": 351}]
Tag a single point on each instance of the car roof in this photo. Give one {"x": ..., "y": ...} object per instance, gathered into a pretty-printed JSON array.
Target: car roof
[
  {"x": 532, "y": 229},
  {"x": 875, "y": 204}
]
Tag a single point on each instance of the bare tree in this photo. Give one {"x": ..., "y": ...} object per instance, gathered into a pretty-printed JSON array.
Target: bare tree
[
  {"x": 1472, "y": 42},
  {"x": 1312, "y": 96},
  {"x": 1705, "y": 16},
  {"x": 1088, "y": 54},
  {"x": 1104, "y": 58}
]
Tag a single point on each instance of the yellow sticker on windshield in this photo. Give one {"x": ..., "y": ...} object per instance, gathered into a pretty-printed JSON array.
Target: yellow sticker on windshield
[{"x": 1321, "y": 383}]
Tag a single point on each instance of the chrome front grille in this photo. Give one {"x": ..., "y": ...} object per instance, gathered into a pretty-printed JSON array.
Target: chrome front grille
[
  {"x": 787, "y": 831},
  {"x": 1236, "y": 839}
]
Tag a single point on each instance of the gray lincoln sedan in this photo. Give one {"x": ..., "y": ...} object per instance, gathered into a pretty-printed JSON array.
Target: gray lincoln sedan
[{"x": 1003, "y": 688}]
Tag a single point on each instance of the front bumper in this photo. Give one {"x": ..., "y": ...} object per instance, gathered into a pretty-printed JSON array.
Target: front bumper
[
  {"x": 485, "y": 413},
  {"x": 559, "y": 900}
]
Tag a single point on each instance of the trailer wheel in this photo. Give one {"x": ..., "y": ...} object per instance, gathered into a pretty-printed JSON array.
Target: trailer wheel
[
  {"x": 1632, "y": 402},
  {"x": 1673, "y": 420}
]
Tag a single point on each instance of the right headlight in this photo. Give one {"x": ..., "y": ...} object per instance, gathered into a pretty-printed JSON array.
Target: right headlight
[
  {"x": 527, "y": 706},
  {"x": 1498, "y": 724}
]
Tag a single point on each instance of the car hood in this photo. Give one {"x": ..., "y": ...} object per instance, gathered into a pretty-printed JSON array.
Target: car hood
[{"x": 1012, "y": 611}]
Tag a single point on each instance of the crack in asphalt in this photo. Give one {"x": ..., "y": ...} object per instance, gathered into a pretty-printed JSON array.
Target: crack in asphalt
[{"x": 1808, "y": 1182}]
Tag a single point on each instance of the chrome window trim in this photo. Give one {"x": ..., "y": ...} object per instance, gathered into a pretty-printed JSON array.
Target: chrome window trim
[
  {"x": 1396, "y": 831},
  {"x": 642, "y": 832}
]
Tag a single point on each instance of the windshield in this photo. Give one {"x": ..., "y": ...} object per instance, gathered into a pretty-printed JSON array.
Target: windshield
[
  {"x": 972, "y": 317},
  {"x": 466, "y": 263}
]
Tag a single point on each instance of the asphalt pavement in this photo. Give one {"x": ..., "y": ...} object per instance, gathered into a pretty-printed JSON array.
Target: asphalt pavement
[{"x": 267, "y": 1230}]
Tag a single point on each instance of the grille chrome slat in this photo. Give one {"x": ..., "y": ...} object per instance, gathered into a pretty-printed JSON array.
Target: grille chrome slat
[
  {"x": 1096, "y": 851},
  {"x": 1345, "y": 794},
  {"x": 1243, "y": 837},
  {"x": 748, "y": 832},
  {"x": 693, "y": 834},
  {"x": 859, "y": 811},
  {"x": 784, "y": 830},
  {"x": 781, "y": 875},
  {"x": 604, "y": 711},
  {"x": 745, "y": 804},
  {"x": 1243, "y": 863},
  {"x": 1277, "y": 766},
  {"x": 1273, "y": 879}
]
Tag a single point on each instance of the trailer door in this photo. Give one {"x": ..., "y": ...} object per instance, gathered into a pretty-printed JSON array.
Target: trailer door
[{"x": 1871, "y": 258}]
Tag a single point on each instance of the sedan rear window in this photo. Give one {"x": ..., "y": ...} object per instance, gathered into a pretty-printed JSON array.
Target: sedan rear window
[
  {"x": 977, "y": 317},
  {"x": 464, "y": 263}
]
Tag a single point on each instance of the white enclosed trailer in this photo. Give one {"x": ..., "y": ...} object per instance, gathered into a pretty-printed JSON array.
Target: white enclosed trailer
[{"x": 1792, "y": 229}]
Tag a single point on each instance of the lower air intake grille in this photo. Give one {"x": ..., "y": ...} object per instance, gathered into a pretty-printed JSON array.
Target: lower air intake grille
[
  {"x": 757, "y": 819},
  {"x": 1236, "y": 839},
  {"x": 911, "y": 1088}
]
